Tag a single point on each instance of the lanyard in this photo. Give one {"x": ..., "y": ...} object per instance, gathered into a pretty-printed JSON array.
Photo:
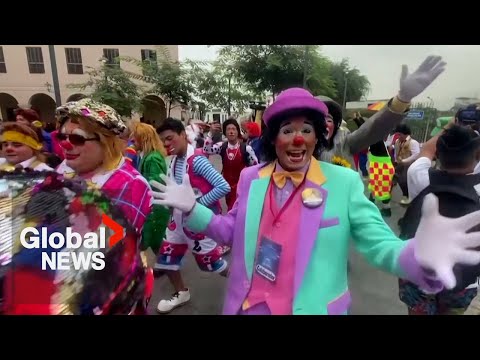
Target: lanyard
[{"x": 287, "y": 203}]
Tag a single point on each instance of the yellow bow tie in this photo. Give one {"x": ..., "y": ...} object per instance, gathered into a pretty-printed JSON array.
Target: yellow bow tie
[{"x": 280, "y": 178}]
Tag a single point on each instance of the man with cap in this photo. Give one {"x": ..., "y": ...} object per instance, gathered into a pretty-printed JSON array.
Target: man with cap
[
  {"x": 343, "y": 144},
  {"x": 293, "y": 219}
]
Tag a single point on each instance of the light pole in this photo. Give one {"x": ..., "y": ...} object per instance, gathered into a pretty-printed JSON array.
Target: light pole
[
  {"x": 56, "y": 83},
  {"x": 305, "y": 58},
  {"x": 345, "y": 91}
]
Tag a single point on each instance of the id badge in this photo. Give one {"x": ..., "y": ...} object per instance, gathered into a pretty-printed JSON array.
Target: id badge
[{"x": 268, "y": 259}]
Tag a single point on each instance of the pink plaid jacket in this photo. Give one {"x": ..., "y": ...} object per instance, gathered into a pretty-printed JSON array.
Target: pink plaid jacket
[{"x": 126, "y": 188}]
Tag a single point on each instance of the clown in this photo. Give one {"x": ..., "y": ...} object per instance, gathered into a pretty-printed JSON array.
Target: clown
[
  {"x": 209, "y": 187},
  {"x": 294, "y": 217},
  {"x": 234, "y": 153},
  {"x": 89, "y": 136},
  {"x": 22, "y": 147},
  {"x": 343, "y": 144}
]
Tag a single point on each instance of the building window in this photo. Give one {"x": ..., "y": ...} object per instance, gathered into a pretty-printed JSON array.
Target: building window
[
  {"x": 74, "y": 60},
  {"x": 112, "y": 57},
  {"x": 149, "y": 55},
  {"x": 3, "y": 68},
  {"x": 35, "y": 60}
]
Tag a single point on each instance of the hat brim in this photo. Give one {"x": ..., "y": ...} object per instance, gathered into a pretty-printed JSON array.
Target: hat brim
[{"x": 293, "y": 103}]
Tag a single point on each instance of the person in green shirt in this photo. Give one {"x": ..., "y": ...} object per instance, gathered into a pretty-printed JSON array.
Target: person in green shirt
[{"x": 151, "y": 165}]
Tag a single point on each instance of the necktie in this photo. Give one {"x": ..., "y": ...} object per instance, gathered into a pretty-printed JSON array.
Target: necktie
[{"x": 280, "y": 178}]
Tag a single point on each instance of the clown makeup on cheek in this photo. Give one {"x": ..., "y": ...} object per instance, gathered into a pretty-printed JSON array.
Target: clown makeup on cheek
[{"x": 295, "y": 143}]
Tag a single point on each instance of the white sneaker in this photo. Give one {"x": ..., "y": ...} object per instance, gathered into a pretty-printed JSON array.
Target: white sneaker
[
  {"x": 178, "y": 299},
  {"x": 405, "y": 201}
]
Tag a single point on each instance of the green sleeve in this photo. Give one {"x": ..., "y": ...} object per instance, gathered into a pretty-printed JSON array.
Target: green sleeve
[
  {"x": 372, "y": 237},
  {"x": 157, "y": 221}
]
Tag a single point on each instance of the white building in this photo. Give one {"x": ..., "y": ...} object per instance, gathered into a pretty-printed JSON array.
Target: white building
[{"x": 39, "y": 76}]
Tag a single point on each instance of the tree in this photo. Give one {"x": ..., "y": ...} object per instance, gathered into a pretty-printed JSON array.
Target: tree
[
  {"x": 273, "y": 68},
  {"x": 112, "y": 86},
  {"x": 167, "y": 78},
  {"x": 218, "y": 86},
  {"x": 357, "y": 84}
]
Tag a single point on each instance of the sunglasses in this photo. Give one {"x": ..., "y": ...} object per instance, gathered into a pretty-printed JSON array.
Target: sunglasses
[{"x": 75, "y": 139}]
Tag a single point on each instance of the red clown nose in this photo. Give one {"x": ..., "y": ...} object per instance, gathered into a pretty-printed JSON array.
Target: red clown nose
[
  {"x": 67, "y": 145},
  {"x": 298, "y": 140}
]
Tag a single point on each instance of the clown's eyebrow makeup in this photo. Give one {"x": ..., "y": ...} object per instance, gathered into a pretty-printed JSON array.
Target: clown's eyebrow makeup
[
  {"x": 80, "y": 132},
  {"x": 83, "y": 133}
]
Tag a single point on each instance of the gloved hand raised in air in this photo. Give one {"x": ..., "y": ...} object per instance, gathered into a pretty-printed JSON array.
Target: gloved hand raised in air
[{"x": 412, "y": 85}]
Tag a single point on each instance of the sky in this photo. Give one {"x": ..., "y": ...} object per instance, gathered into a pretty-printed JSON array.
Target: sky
[{"x": 382, "y": 65}]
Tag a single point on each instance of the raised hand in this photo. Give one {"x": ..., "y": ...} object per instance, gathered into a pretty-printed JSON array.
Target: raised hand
[
  {"x": 442, "y": 242},
  {"x": 171, "y": 194},
  {"x": 412, "y": 85}
]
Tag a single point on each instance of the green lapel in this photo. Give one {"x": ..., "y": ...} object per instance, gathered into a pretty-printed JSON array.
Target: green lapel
[{"x": 256, "y": 197}]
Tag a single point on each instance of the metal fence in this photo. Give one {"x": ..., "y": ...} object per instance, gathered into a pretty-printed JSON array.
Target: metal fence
[{"x": 421, "y": 128}]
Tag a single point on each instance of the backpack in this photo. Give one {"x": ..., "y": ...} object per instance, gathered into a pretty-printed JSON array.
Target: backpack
[
  {"x": 243, "y": 151},
  {"x": 456, "y": 197}
]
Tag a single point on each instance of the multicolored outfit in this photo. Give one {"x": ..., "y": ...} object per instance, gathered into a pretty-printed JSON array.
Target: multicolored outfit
[
  {"x": 31, "y": 290},
  {"x": 381, "y": 176},
  {"x": 124, "y": 285},
  {"x": 234, "y": 159},
  {"x": 317, "y": 280},
  {"x": 131, "y": 155},
  {"x": 125, "y": 186},
  {"x": 300, "y": 243},
  {"x": 210, "y": 187}
]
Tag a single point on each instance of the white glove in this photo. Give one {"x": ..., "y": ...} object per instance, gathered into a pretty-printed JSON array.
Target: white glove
[
  {"x": 442, "y": 242},
  {"x": 412, "y": 85},
  {"x": 171, "y": 194}
]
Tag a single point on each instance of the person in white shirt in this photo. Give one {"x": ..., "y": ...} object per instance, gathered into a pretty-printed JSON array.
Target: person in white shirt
[
  {"x": 417, "y": 176},
  {"x": 457, "y": 149},
  {"x": 21, "y": 147},
  {"x": 407, "y": 150}
]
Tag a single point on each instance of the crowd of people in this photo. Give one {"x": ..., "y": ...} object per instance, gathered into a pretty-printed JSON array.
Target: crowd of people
[{"x": 293, "y": 205}]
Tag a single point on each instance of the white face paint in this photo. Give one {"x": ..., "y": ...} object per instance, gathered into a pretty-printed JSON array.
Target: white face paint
[{"x": 78, "y": 131}]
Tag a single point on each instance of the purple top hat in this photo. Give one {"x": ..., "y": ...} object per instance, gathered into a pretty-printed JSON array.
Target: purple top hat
[{"x": 293, "y": 99}]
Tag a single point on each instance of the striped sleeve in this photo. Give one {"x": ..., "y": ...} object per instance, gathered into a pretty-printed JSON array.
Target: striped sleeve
[
  {"x": 203, "y": 168},
  {"x": 130, "y": 154}
]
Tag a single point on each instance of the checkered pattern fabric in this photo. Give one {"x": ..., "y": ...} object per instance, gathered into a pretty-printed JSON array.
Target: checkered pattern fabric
[{"x": 381, "y": 173}]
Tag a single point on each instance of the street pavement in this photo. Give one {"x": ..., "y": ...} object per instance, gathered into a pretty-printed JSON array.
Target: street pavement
[{"x": 373, "y": 292}]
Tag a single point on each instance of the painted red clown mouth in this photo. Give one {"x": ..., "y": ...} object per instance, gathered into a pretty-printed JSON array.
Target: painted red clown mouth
[
  {"x": 71, "y": 156},
  {"x": 296, "y": 156}
]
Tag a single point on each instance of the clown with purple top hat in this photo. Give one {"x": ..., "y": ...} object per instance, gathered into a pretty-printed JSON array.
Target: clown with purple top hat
[{"x": 294, "y": 217}]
